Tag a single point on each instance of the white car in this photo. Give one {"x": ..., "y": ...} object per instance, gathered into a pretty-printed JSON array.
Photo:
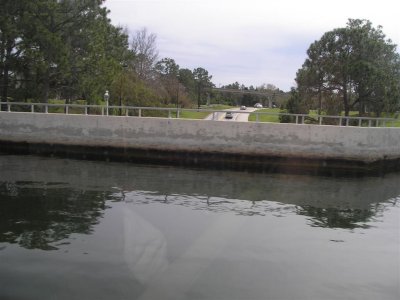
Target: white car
[
  {"x": 258, "y": 105},
  {"x": 243, "y": 107},
  {"x": 228, "y": 115}
]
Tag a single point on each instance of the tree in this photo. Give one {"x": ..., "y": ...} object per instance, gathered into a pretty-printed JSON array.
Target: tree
[
  {"x": 168, "y": 72},
  {"x": 355, "y": 63},
  {"x": 68, "y": 49},
  {"x": 62, "y": 48},
  {"x": 101, "y": 55},
  {"x": 188, "y": 84},
  {"x": 203, "y": 81},
  {"x": 167, "y": 67},
  {"x": 8, "y": 33},
  {"x": 12, "y": 16},
  {"x": 145, "y": 53}
]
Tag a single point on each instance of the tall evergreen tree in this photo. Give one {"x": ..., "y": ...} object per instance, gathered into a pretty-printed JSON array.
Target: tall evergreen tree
[
  {"x": 51, "y": 48},
  {"x": 203, "y": 81},
  {"x": 358, "y": 64}
]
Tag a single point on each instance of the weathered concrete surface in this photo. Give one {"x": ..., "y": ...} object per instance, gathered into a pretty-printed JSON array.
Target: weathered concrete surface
[{"x": 311, "y": 142}]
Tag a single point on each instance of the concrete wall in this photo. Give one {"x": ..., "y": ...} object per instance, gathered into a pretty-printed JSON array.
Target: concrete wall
[{"x": 200, "y": 136}]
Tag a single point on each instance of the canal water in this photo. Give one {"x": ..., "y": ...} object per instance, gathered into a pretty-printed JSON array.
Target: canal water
[{"x": 98, "y": 230}]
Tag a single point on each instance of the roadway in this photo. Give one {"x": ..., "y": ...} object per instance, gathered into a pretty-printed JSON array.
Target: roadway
[{"x": 238, "y": 115}]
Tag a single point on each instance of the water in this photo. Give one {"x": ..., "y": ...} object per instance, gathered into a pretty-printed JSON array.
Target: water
[{"x": 96, "y": 230}]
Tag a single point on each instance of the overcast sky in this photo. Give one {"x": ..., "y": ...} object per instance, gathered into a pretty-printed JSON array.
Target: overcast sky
[{"x": 249, "y": 41}]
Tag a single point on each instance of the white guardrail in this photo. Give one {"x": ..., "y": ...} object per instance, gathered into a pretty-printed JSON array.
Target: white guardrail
[{"x": 135, "y": 111}]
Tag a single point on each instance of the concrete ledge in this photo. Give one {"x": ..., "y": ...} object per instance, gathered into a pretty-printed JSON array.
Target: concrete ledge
[{"x": 200, "y": 142}]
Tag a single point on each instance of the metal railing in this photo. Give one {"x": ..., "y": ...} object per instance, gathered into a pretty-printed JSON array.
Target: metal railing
[
  {"x": 333, "y": 120},
  {"x": 166, "y": 112}
]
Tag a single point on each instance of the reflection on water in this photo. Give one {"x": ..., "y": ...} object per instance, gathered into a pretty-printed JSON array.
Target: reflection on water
[
  {"x": 37, "y": 214},
  {"x": 43, "y": 201},
  {"x": 344, "y": 218},
  {"x": 166, "y": 232}
]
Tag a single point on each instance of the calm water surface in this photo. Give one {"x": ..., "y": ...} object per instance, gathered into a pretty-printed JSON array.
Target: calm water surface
[{"x": 96, "y": 230}]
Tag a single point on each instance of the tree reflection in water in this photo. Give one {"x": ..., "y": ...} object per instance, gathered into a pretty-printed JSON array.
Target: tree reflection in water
[
  {"x": 326, "y": 217},
  {"x": 36, "y": 218},
  {"x": 40, "y": 206},
  {"x": 337, "y": 218},
  {"x": 346, "y": 218}
]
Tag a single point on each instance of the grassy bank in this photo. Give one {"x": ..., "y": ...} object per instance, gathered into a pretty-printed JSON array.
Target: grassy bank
[
  {"x": 199, "y": 114},
  {"x": 266, "y": 118},
  {"x": 312, "y": 113}
]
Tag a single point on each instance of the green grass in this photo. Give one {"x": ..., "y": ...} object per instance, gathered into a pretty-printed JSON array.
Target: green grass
[
  {"x": 192, "y": 114},
  {"x": 77, "y": 110},
  {"x": 200, "y": 114},
  {"x": 313, "y": 113},
  {"x": 218, "y": 107},
  {"x": 266, "y": 118},
  {"x": 392, "y": 124},
  {"x": 395, "y": 123}
]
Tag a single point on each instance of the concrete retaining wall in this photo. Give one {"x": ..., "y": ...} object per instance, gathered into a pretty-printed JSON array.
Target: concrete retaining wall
[{"x": 200, "y": 136}]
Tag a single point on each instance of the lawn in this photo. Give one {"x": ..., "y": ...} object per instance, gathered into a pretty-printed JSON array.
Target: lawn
[
  {"x": 192, "y": 114},
  {"x": 392, "y": 124},
  {"x": 199, "y": 114},
  {"x": 265, "y": 117},
  {"x": 313, "y": 113}
]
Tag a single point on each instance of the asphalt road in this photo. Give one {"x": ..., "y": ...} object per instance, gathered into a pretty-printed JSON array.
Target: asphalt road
[{"x": 238, "y": 115}]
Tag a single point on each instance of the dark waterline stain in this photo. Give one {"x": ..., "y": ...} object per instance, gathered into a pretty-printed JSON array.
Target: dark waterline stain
[{"x": 211, "y": 161}]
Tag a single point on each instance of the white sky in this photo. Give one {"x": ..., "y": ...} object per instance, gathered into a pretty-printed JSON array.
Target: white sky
[{"x": 249, "y": 41}]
